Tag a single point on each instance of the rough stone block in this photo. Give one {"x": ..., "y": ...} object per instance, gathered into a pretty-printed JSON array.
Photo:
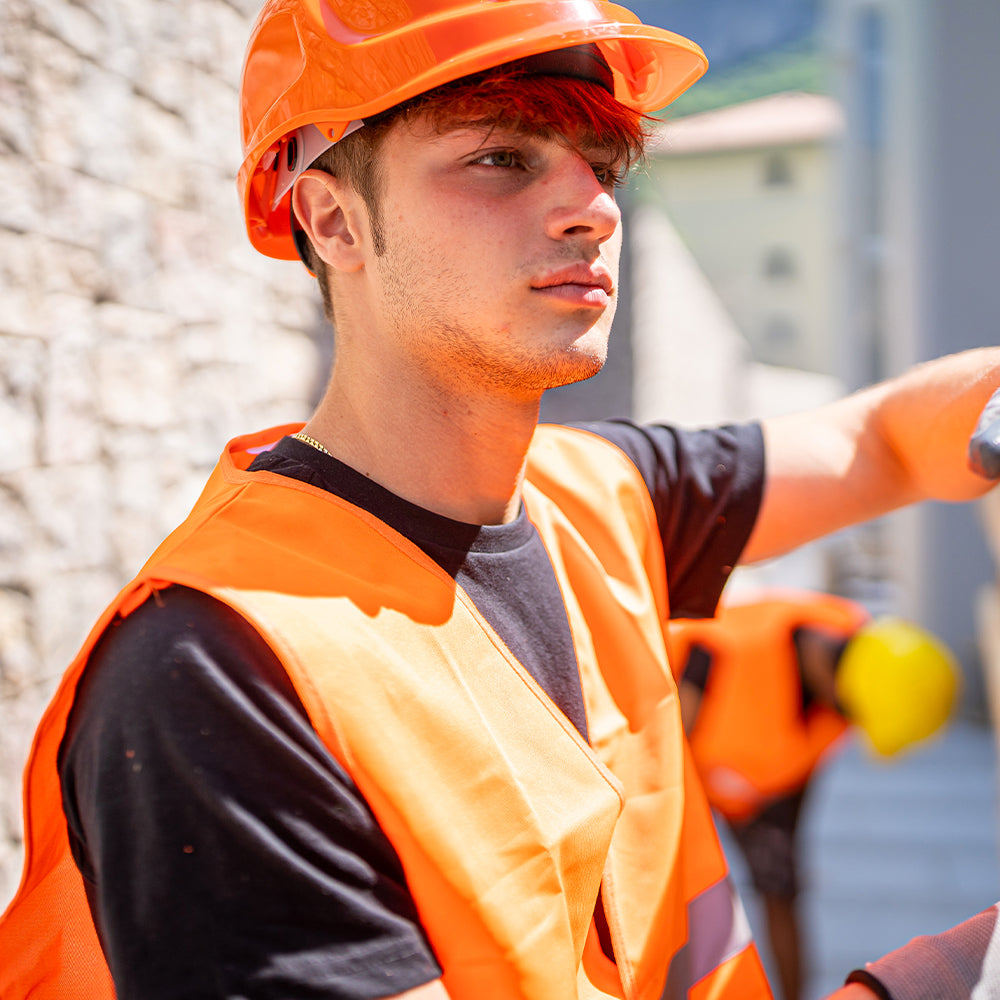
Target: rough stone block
[
  {"x": 19, "y": 428},
  {"x": 71, "y": 270},
  {"x": 136, "y": 383},
  {"x": 79, "y": 26},
  {"x": 74, "y": 209},
  {"x": 69, "y": 401},
  {"x": 126, "y": 245},
  {"x": 16, "y": 647},
  {"x": 18, "y": 177},
  {"x": 163, "y": 166},
  {"x": 15, "y": 23},
  {"x": 56, "y": 69},
  {"x": 19, "y": 281},
  {"x": 19, "y": 536},
  {"x": 65, "y": 611},
  {"x": 17, "y": 127},
  {"x": 69, "y": 507},
  {"x": 105, "y": 109},
  {"x": 20, "y": 379}
]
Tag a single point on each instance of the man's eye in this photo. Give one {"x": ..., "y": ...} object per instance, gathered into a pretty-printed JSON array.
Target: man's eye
[
  {"x": 504, "y": 158},
  {"x": 607, "y": 174}
]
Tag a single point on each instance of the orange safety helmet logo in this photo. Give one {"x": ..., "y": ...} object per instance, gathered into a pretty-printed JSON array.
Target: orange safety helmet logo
[{"x": 331, "y": 63}]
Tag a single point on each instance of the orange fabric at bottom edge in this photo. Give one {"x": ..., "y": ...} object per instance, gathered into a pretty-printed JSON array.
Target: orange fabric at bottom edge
[{"x": 739, "y": 978}]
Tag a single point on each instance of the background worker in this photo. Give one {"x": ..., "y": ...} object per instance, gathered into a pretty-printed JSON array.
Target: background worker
[
  {"x": 390, "y": 713},
  {"x": 767, "y": 688}
]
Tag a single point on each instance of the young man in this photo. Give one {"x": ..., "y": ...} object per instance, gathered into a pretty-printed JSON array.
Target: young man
[
  {"x": 767, "y": 688},
  {"x": 391, "y": 713}
]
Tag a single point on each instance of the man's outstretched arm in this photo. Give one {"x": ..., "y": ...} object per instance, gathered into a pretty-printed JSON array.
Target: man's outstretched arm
[{"x": 900, "y": 441}]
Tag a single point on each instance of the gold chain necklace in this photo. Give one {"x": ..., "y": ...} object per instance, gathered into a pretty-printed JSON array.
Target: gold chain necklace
[{"x": 299, "y": 436}]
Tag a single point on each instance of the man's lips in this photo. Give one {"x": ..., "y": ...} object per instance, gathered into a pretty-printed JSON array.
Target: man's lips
[
  {"x": 580, "y": 284},
  {"x": 578, "y": 274}
]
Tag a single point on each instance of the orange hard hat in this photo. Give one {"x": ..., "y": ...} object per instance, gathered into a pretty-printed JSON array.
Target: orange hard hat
[{"x": 314, "y": 69}]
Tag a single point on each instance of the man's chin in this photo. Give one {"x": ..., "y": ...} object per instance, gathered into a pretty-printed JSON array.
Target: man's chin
[{"x": 578, "y": 365}]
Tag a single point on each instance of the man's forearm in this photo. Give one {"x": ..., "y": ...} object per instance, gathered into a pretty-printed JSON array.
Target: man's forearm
[
  {"x": 895, "y": 443},
  {"x": 928, "y": 415}
]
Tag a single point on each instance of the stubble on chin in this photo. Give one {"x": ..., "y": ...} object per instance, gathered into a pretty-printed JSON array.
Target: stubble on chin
[
  {"x": 500, "y": 366},
  {"x": 448, "y": 345}
]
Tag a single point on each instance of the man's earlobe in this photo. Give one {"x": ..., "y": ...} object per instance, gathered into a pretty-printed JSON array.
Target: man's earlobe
[{"x": 327, "y": 211}]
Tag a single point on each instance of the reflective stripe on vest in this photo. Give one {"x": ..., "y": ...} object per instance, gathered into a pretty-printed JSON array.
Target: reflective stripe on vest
[{"x": 718, "y": 930}]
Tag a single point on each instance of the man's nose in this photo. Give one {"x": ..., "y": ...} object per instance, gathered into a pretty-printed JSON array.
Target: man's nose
[{"x": 585, "y": 207}]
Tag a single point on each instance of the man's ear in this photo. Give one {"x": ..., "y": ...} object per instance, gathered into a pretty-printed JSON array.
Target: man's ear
[{"x": 332, "y": 215}]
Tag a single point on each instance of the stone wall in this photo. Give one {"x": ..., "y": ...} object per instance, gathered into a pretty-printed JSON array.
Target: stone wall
[{"x": 138, "y": 330}]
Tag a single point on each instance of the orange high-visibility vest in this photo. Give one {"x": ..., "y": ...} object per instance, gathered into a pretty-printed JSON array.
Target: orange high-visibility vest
[
  {"x": 751, "y": 741},
  {"x": 506, "y": 821}
]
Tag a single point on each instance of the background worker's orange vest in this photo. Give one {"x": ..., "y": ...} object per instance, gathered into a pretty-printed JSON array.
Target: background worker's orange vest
[
  {"x": 751, "y": 740},
  {"x": 506, "y": 821}
]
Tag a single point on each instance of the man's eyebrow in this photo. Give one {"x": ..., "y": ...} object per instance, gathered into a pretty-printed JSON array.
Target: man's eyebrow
[
  {"x": 487, "y": 132},
  {"x": 583, "y": 141}
]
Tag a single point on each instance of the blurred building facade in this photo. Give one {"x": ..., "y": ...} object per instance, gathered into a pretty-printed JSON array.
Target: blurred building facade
[
  {"x": 733, "y": 279},
  {"x": 749, "y": 188}
]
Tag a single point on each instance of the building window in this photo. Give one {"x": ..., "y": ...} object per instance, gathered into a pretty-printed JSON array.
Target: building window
[
  {"x": 779, "y": 264},
  {"x": 777, "y": 170}
]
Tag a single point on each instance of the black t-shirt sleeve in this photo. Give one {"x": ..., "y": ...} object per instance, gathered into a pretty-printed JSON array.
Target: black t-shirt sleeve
[
  {"x": 225, "y": 851},
  {"x": 706, "y": 487}
]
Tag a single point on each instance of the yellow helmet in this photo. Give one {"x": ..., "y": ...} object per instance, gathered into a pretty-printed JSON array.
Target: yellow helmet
[{"x": 897, "y": 682}]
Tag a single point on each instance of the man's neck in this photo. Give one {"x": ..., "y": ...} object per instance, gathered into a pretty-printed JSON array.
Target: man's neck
[{"x": 462, "y": 457}]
